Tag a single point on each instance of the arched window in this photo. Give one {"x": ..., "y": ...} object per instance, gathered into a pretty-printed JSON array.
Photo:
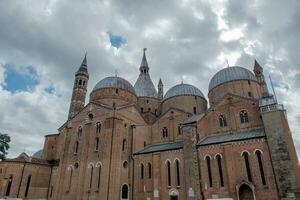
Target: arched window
[
  {"x": 149, "y": 170},
  {"x": 244, "y": 117},
  {"x": 124, "y": 145},
  {"x": 91, "y": 116},
  {"x": 99, "y": 177},
  {"x": 125, "y": 192},
  {"x": 179, "y": 129},
  {"x": 80, "y": 82},
  {"x": 247, "y": 164},
  {"x": 142, "y": 110},
  {"x": 261, "y": 168},
  {"x": 70, "y": 169},
  {"x": 27, "y": 185},
  {"x": 79, "y": 131},
  {"x": 98, "y": 127},
  {"x": 169, "y": 173},
  {"x": 209, "y": 171},
  {"x": 83, "y": 83},
  {"x": 91, "y": 176},
  {"x": 165, "y": 132},
  {"x": 195, "y": 110},
  {"x": 97, "y": 144},
  {"x": 219, "y": 160},
  {"x": 76, "y": 147},
  {"x": 177, "y": 172},
  {"x": 142, "y": 171},
  {"x": 8, "y": 188},
  {"x": 222, "y": 121}
]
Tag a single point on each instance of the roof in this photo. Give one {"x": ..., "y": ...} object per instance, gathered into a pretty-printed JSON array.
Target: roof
[
  {"x": 161, "y": 147},
  {"x": 38, "y": 154},
  {"x": 231, "y": 137},
  {"x": 24, "y": 158},
  {"x": 114, "y": 82},
  {"x": 194, "y": 118},
  {"x": 183, "y": 90},
  {"x": 231, "y": 74},
  {"x": 83, "y": 66}
]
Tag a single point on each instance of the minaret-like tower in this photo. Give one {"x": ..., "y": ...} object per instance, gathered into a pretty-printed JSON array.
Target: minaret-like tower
[
  {"x": 79, "y": 89},
  {"x": 259, "y": 73},
  {"x": 160, "y": 89}
]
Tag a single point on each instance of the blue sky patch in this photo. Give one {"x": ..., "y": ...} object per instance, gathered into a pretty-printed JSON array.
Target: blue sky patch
[
  {"x": 116, "y": 40},
  {"x": 50, "y": 89},
  {"x": 20, "y": 79}
]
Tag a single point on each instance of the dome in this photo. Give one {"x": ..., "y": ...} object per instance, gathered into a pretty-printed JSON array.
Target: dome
[
  {"x": 115, "y": 82},
  {"x": 183, "y": 90},
  {"x": 231, "y": 74},
  {"x": 38, "y": 154}
]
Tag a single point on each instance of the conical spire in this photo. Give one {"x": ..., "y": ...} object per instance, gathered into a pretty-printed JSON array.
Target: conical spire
[
  {"x": 144, "y": 68},
  {"x": 257, "y": 67},
  {"x": 83, "y": 66}
]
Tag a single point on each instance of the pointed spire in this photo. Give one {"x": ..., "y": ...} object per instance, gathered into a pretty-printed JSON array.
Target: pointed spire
[
  {"x": 84, "y": 61},
  {"x": 257, "y": 67},
  {"x": 160, "y": 82},
  {"x": 83, "y": 66},
  {"x": 144, "y": 68}
]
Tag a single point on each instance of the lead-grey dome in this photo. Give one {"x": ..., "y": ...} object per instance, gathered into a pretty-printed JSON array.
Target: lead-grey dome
[
  {"x": 183, "y": 90},
  {"x": 231, "y": 74},
  {"x": 115, "y": 82}
]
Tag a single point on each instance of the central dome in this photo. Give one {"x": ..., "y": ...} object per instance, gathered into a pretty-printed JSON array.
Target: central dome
[
  {"x": 183, "y": 90},
  {"x": 115, "y": 82},
  {"x": 231, "y": 74}
]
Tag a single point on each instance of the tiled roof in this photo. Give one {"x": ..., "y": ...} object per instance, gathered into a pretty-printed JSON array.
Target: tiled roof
[
  {"x": 231, "y": 137},
  {"x": 24, "y": 158},
  {"x": 194, "y": 118},
  {"x": 161, "y": 147}
]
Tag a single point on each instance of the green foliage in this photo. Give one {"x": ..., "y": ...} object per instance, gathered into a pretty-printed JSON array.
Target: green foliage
[{"x": 4, "y": 145}]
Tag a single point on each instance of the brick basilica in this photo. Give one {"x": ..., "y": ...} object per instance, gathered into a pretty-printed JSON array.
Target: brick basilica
[{"x": 137, "y": 142}]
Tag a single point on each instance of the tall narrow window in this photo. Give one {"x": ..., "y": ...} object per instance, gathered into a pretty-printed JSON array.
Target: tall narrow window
[
  {"x": 169, "y": 173},
  {"x": 76, "y": 147},
  {"x": 142, "y": 171},
  {"x": 195, "y": 110},
  {"x": 80, "y": 82},
  {"x": 219, "y": 160},
  {"x": 8, "y": 188},
  {"x": 179, "y": 129},
  {"x": 27, "y": 186},
  {"x": 51, "y": 191},
  {"x": 209, "y": 171},
  {"x": 177, "y": 173},
  {"x": 244, "y": 117},
  {"x": 91, "y": 176},
  {"x": 125, "y": 191},
  {"x": 79, "y": 131},
  {"x": 124, "y": 145},
  {"x": 149, "y": 170},
  {"x": 261, "y": 168},
  {"x": 222, "y": 121},
  {"x": 98, "y": 127},
  {"x": 97, "y": 144},
  {"x": 70, "y": 169},
  {"x": 247, "y": 164},
  {"x": 165, "y": 132},
  {"x": 99, "y": 177}
]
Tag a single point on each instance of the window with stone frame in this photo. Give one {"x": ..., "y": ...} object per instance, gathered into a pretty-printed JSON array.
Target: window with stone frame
[
  {"x": 79, "y": 132},
  {"x": 142, "y": 171},
  {"x": 177, "y": 167},
  {"x": 261, "y": 167},
  {"x": 98, "y": 127},
  {"x": 244, "y": 117},
  {"x": 247, "y": 165},
  {"x": 97, "y": 144},
  {"x": 219, "y": 162},
  {"x": 149, "y": 170},
  {"x": 76, "y": 147},
  {"x": 168, "y": 173},
  {"x": 208, "y": 164},
  {"x": 222, "y": 121},
  {"x": 165, "y": 132}
]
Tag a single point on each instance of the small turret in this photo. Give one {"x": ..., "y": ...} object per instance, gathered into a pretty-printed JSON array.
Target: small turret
[
  {"x": 160, "y": 89},
  {"x": 259, "y": 73},
  {"x": 79, "y": 89}
]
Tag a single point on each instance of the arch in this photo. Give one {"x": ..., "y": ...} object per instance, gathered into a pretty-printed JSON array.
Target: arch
[
  {"x": 222, "y": 121},
  {"x": 218, "y": 154},
  {"x": 258, "y": 154},
  {"x": 254, "y": 152},
  {"x": 177, "y": 168},
  {"x": 245, "y": 191},
  {"x": 169, "y": 173},
  {"x": 209, "y": 171},
  {"x": 244, "y": 117},
  {"x": 97, "y": 144},
  {"x": 98, "y": 127},
  {"x": 245, "y": 151},
  {"x": 149, "y": 170},
  {"x": 173, "y": 194},
  {"x": 27, "y": 186},
  {"x": 142, "y": 171},
  {"x": 124, "y": 145},
  {"x": 219, "y": 162},
  {"x": 98, "y": 164},
  {"x": 245, "y": 155},
  {"x": 125, "y": 192},
  {"x": 9, "y": 184}
]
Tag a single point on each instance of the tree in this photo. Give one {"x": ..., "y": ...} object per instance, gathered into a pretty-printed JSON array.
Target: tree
[{"x": 4, "y": 145}]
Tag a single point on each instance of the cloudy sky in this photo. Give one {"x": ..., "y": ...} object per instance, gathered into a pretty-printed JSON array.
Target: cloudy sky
[{"x": 42, "y": 43}]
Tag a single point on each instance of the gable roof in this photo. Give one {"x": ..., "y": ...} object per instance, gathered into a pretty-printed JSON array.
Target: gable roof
[
  {"x": 161, "y": 147},
  {"x": 24, "y": 158},
  {"x": 231, "y": 137}
]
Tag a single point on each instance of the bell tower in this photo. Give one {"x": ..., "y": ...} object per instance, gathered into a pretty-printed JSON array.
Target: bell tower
[
  {"x": 79, "y": 89},
  {"x": 160, "y": 89},
  {"x": 259, "y": 73}
]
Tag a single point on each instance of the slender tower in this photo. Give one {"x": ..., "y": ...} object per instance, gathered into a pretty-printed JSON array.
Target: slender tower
[
  {"x": 79, "y": 89},
  {"x": 259, "y": 73},
  {"x": 160, "y": 89}
]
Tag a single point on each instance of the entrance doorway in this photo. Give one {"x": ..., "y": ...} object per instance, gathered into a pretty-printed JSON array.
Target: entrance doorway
[
  {"x": 173, "y": 194},
  {"x": 173, "y": 197},
  {"x": 245, "y": 193},
  {"x": 124, "y": 192}
]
